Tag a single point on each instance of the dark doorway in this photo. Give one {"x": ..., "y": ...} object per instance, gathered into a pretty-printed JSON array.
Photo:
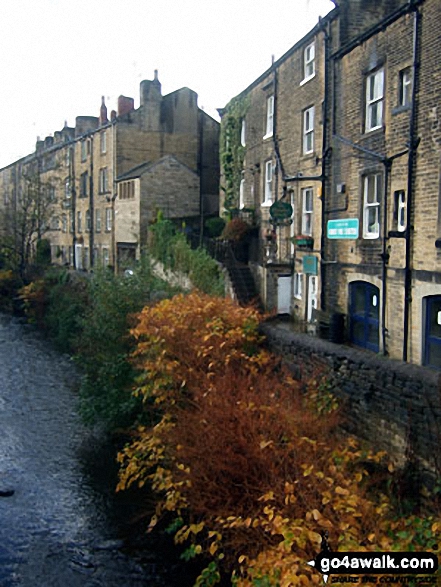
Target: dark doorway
[
  {"x": 364, "y": 312},
  {"x": 432, "y": 332}
]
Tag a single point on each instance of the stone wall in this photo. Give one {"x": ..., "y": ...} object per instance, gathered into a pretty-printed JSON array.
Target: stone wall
[{"x": 395, "y": 406}]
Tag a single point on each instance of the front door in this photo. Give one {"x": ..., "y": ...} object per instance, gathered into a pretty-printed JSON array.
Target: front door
[
  {"x": 312, "y": 297},
  {"x": 284, "y": 294},
  {"x": 364, "y": 312},
  {"x": 432, "y": 334}
]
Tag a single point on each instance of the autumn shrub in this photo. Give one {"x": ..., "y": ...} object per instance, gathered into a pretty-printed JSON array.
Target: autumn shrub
[
  {"x": 235, "y": 230},
  {"x": 250, "y": 462},
  {"x": 34, "y": 298},
  {"x": 10, "y": 283}
]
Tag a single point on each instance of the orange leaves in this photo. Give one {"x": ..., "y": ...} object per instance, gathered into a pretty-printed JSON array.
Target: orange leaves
[{"x": 241, "y": 451}]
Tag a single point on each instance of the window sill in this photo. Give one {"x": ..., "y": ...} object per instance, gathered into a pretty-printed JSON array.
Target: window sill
[
  {"x": 371, "y": 237},
  {"x": 266, "y": 204},
  {"x": 268, "y": 136},
  {"x": 307, "y": 79},
  {"x": 376, "y": 129},
  {"x": 401, "y": 109}
]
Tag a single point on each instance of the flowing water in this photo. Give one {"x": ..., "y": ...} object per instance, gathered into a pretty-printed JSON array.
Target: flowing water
[{"x": 62, "y": 526}]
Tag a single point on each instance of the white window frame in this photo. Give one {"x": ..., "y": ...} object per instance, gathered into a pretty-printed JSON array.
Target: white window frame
[
  {"x": 243, "y": 139},
  {"x": 79, "y": 221},
  {"x": 84, "y": 150},
  {"x": 308, "y": 63},
  {"x": 104, "y": 183},
  {"x": 241, "y": 194},
  {"x": 97, "y": 220},
  {"x": 108, "y": 219},
  {"x": 298, "y": 285},
  {"x": 400, "y": 210},
  {"x": 308, "y": 130},
  {"x": 371, "y": 231},
  {"x": 269, "y": 117},
  {"x": 405, "y": 97},
  {"x": 268, "y": 189},
  {"x": 103, "y": 142},
  {"x": 374, "y": 100},
  {"x": 307, "y": 211},
  {"x": 67, "y": 190}
]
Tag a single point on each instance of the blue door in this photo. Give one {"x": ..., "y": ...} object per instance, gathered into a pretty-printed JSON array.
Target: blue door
[
  {"x": 432, "y": 334},
  {"x": 364, "y": 312}
]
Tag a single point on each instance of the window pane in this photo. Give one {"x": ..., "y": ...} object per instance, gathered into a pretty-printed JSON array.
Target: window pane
[{"x": 372, "y": 219}]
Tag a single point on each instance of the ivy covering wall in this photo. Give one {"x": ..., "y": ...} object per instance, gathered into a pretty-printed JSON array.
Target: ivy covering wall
[{"x": 232, "y": 152}]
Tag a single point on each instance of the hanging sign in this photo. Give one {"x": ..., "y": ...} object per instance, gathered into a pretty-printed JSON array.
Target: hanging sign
[
  {"x": 281, "y": 210},
  {"x": 310, "y": 264}
]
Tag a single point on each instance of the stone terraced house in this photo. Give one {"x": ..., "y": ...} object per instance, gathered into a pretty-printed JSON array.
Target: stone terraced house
[
  {"x": 87, "y": 177},
  {"x": 339, "y": 146}
]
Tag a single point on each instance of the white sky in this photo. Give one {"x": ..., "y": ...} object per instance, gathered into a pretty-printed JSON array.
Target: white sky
[{"x": 58, "y": 57}]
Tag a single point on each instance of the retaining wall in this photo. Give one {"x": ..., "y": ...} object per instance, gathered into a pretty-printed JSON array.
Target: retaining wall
[{"x": 395, "y": 406}]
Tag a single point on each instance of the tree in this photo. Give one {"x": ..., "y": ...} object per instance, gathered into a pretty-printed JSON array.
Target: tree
[{"x": 25, "y": 217}]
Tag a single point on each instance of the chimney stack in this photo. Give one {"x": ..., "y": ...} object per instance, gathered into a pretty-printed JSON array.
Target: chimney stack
[
  {"x": 103, "y": 112},
  {"x": 125, "y": 105}
]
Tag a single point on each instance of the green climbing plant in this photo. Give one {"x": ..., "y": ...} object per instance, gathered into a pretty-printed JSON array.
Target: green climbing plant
[{"x": 232, "y": 152}]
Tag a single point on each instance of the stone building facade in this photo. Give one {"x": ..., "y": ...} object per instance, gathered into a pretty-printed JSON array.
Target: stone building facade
[
  {"x": 282, "y": 137},
  {"x": 362, "y": 173},
  {"x": 85, "y": 217}
]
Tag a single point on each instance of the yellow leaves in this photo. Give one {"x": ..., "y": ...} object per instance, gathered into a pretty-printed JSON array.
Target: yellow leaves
[
  {"x": 307, "y": 470},
  {"x": 341, "y": 491},
  {"x": 265, "y": 443},
  {"x": 269, "y": 496}
]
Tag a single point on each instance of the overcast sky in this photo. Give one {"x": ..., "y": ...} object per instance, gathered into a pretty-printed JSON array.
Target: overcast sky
[{"x": 58, "y": 57}]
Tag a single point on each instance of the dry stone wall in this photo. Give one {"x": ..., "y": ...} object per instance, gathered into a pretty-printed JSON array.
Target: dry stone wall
[{"x": 395, "y": 406}]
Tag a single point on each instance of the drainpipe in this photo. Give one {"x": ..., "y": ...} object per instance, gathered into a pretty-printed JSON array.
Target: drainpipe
[
  {"x": 410, "y": 179},
  {"x": 279, "y": 164},
  {"x": 73, "y": 196},
  {"x": 91, "y": 206},
  {"x": 324, "y": 157},
  {"x": 384, "y": 254}
]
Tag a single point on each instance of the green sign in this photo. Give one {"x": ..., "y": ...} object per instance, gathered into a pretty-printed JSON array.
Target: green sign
[
  {"x": 310, "y": 264},
  {"x": 281, "y": 210},
  {"x": 343, "y": 229}
]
